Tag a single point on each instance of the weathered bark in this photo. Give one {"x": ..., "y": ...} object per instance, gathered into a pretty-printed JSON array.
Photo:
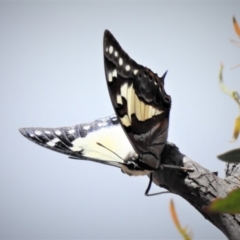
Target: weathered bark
[{"x": 200, "y": 187}]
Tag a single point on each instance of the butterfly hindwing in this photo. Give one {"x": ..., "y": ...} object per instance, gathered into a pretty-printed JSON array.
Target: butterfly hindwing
[
  {"x": 139, "y": 100},
  {"x": 101, "y": 141}
]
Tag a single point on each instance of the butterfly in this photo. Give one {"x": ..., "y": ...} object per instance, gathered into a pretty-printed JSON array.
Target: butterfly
[{"x": 131, "y": 140}]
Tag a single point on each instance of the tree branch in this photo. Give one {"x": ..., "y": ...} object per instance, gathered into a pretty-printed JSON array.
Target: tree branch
[{"x": 200, "y": 187}]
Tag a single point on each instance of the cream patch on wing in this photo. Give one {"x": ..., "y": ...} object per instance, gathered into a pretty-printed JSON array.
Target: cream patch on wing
[
  {"x": 123, "y": 90},
  {"x": 130, "y": 101},
  {"x": 112, "y": 138},
  {"x": 135, "y": 106},
  {"x": 119, "y": 99},
  {"x": 111, "y": 75},
  {"x": 125, "y": 121}
]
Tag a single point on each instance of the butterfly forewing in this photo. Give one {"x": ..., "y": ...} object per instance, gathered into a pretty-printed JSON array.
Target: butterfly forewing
[{"x": 139, "y": 100}]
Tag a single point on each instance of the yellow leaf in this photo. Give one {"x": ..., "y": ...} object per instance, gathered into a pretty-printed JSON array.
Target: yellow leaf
[
  {"x": 182, "y": 231},
  {"x": 236, "y": 26},
  {"x": 236, "y": 129}
]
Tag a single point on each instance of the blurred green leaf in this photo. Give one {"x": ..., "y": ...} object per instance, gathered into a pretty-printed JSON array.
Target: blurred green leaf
[
  {"x": 229, "y": 204},
  {"x": 230, "y": 156}
]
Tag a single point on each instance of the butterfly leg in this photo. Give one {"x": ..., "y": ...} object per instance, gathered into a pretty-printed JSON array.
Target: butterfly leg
[
  {"x": 163, "y": 166},
  {"x": 149, "y": 187}
]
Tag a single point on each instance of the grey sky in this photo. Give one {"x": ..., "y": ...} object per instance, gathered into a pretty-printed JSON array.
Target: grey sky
[{"x": 52, "y": 75}]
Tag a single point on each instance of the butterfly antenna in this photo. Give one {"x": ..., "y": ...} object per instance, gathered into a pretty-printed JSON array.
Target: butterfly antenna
[
  {"x": 110, "y": 150},
  {"x": 149, "y": 186}
]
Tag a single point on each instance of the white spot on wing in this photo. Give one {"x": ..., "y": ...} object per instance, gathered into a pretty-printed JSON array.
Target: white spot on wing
[
  {"x": 115, "y": 53},
  {"x": 127, "y": 68},
  {"x": 114, "y": 73},
  {"x": 114, "y": 117},
  {"x": 47, "y": 132},
  {"x": 57, "y": 132},
  {"x": 110, "y": 49},
  {"x": 135, "y": 72},
  {"x": 106, "y": 49},
  {"x": 120, "y": 61},
  {"x": 38, "y": 133},
  {"x": 105, "y": 124},
  {"x": 86, "y": 127},
  {"x": 53, "y": 142},
  {"x": 100, "y": 124},
  {"x": 31, "y": 135},
  {"x": 110, "y": 77},
  {"x": 71, "y": 131}
]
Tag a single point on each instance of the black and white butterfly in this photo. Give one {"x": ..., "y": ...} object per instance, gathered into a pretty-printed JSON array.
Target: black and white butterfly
[{"x": 134, "y": 138}]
